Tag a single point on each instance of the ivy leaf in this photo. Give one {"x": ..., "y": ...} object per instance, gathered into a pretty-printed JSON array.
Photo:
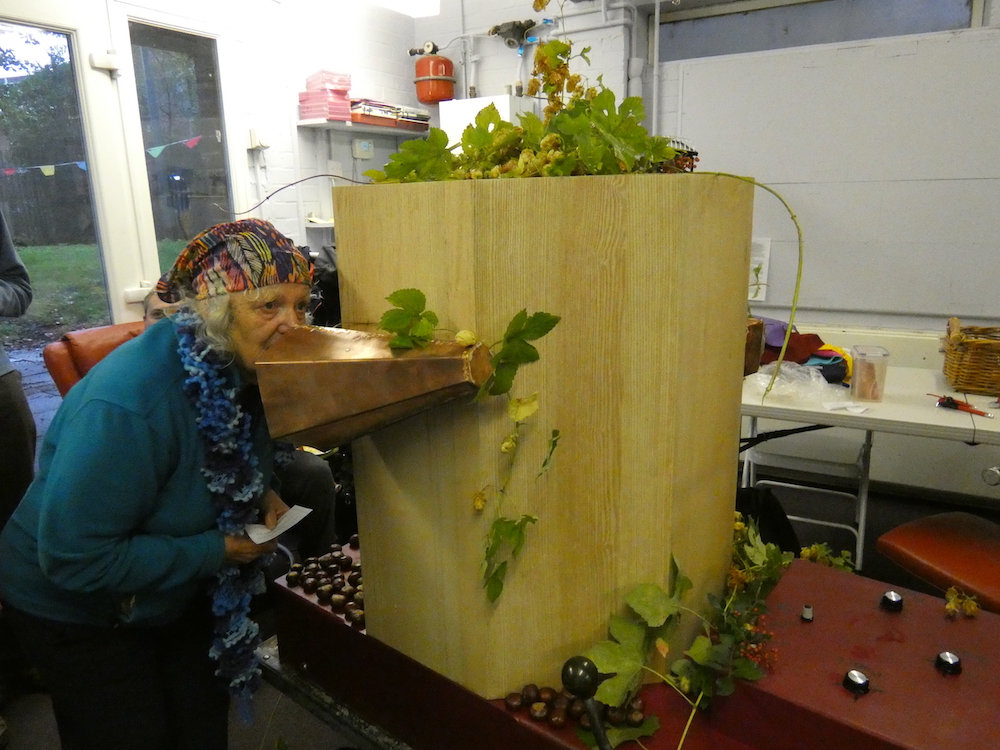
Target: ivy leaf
[{"x": 652, "y": 604}]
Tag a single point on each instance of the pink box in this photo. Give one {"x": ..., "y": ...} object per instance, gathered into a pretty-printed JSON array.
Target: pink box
[{"x": 325, "y": 79}]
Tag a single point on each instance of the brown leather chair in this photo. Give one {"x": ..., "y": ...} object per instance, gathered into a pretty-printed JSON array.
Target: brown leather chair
[
  {"x": 72, "y": 357},
  {"x": 950, "y": 549}
]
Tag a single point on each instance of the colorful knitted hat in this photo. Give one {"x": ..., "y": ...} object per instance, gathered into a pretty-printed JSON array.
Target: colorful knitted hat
[{"x": 234, "y": 257}]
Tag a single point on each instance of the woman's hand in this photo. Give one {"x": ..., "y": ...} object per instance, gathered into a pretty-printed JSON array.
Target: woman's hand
[
  {"x": 272, "y": 508},
  {"x": 242, "y": 549}
]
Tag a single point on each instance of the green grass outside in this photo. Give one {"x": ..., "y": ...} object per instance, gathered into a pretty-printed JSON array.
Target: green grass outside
[{"x": 68, "y": 292}]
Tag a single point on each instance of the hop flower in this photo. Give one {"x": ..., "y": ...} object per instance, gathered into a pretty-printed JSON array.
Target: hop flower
[
  {"x": 509, "y": 444},
  {"x": 466, "y": 338},
  {"x": 479, "y": 501}
]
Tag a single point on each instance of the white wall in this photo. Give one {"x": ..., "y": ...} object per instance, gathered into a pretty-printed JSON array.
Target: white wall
[{"x": 882, "y": 149}]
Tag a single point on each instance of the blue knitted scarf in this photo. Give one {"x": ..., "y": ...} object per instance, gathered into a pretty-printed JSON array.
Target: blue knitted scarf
[{"x": 236, "y": 485}]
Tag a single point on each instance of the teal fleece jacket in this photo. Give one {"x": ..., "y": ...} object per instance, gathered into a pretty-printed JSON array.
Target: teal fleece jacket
[{"x": 119, "y": 525}]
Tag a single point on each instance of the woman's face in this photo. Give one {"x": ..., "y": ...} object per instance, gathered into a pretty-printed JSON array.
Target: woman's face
[{"x": 262, "y": 316}]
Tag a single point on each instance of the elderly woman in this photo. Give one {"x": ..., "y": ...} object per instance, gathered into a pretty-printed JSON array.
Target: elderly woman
[{"x": 125, "y": 570}]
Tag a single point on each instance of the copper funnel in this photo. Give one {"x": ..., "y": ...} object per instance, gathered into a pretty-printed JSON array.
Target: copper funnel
[{"x": 324, "y": 387}]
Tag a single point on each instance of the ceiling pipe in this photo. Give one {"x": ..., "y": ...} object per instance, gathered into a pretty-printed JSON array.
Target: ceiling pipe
[{"x": 655, "y": 129}]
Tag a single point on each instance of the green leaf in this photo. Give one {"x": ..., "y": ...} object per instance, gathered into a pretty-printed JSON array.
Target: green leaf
[
  {"x": 517, "y": 351},
  {"x": 538, "y": 325},
  {"x": 630, "y": 634},
  {"x": 701, "y": 650},
  {"x": 652, "y": 604},
  {"x": 503, "y": 378},
  {"x": 516, "y": 325},
  {"x": 553, "y": 444},
  {"x": 620, "y": 735},
  {"x": 412, "y": 300},
  {"x": 746, "y": 669},
  {"x": 396, "y": 320},
  {"x": 725, "y": 685},
  {"x": 420, "y": 160},
  {"x": 402, "y": 342},
  {"x": 494, "y": 584},
  {"x": 422, "y": 329},
  {"x": 613, "y": 658}
]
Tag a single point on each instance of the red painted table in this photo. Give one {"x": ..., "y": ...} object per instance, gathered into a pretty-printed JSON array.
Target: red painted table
[{"x": 802, "y": 704}]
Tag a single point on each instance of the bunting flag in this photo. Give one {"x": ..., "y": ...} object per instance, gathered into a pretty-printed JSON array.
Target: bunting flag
[{"x": 50, "y": 169}]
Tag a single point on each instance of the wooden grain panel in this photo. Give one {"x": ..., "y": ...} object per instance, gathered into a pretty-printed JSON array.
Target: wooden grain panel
[{"x": 642, "y": 377}]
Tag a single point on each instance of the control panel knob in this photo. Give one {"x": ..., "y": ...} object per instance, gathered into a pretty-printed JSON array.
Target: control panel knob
[
  {"x": 891, "y": 602},
  {"x": 948, "y": 663},
  {"x": 992, "y": 476},
  {"x": 856, "y": 682}
]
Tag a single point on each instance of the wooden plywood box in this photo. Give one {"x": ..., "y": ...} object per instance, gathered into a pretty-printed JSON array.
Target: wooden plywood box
[{"x": 641, "y": 377}]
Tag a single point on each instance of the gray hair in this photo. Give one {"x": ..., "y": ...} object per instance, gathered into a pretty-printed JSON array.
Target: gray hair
[{"x": 215, "y": 316}]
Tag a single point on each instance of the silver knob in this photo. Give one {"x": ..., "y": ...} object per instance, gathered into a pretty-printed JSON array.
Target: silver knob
[{"x": 992, "y": 476}]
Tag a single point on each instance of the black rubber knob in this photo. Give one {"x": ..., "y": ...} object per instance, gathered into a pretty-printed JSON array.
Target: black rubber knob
[{"x": 580, "y": 677}]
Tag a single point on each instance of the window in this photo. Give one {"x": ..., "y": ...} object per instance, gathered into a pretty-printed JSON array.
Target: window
[
  {"x": 177, "y": 84},
  {"x": 683, "y": 36}
]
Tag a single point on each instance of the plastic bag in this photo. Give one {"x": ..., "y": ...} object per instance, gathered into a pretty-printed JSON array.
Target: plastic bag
[{"x": 795, "y": 382}]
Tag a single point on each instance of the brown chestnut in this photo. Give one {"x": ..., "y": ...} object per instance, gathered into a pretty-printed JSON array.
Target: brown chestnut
[
  {"x": 636, "y": 704},
  {"x": 359, "y": 599},
  {"x": 576, "y": 709},
  {"x": 324, "y": 592},
  {"x": 310, "y": 584},
  {"x": 530, "y": 693},
  {"x": 293, "y": 578},
  {"x": 354, "y": 578},
  {"x": 357, "y": 618},
  {"x": 635, "y": 718},
  {"x": 616, "y": 716},
  {"x": 338, "y": 602},
  {"x": 349, "y": 591},
  {"x": 539, "y": 711},
  {"x": 355, "y": 542},
  {"x": 560, "y": 702},
  {"x": 513, "y": 701},
  {"x": 557, "y": 718},
  {"x": 344, "y": 563},
  {"x": 546, "y": 695},
  {"x": 336, "y": 547}
]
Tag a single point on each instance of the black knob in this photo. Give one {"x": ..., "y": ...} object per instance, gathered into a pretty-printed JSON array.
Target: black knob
[
  {"x": 891, "y": 602},
  {"x": 856, "y": 682},
  {"x": 580, "y": 676},
  {"x": 948, "y": 663}
]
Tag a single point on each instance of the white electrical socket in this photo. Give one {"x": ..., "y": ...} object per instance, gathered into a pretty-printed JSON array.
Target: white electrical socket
[{"x": 363, "y": 148}]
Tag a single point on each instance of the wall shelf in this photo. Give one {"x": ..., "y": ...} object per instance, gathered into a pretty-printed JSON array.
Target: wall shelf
[{"x": 348, "y": 126}]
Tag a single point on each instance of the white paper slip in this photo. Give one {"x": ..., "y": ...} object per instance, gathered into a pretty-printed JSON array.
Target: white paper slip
[{"x": 259, "y": 533}]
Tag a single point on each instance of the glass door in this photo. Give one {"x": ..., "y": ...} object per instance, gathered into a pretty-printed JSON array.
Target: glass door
[
  {"x": 46, "y": 193},
  {"x": 177, "y": 87}
]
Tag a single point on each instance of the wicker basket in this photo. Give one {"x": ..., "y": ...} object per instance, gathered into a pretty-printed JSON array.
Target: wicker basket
[{"x": 972, "y": 358}]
